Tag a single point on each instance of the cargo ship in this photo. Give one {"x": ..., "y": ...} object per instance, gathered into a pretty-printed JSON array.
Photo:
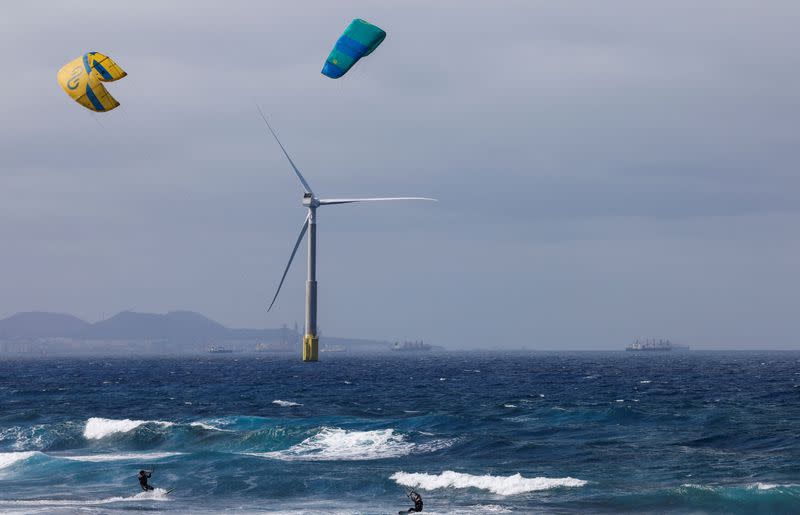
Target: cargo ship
[
  {"x": 654, "y": 345},
  {"x": 411, "y": 346}
]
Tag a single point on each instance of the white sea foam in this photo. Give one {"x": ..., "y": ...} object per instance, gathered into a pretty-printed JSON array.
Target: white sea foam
[
  {"x": 208, "y": 427},
  {"x": 340, "y": 444},
  {"x": 202, "y": 425},
  {"x": 763, "y": 486},
  {"x": 141, "y": 456},
  {"x": 768, "y": 486},
  {"x": 697, "y": 486},
  {"x": 9, "y": 458},
  {"x": 159, "y": 494},
  {"x": 285, "y": 404},
  {"x": 645, "y": 381},
  {"x": 25, "y": 438},
  {"x": 500, "y": 485},
  {"x": 509, "y": 405},
  {"x": 97, "y": 428},
  {"x": 490, "y": 508}
]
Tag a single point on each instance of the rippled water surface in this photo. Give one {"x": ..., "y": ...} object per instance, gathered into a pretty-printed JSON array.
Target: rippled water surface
[{"x": 472, "y": 432}]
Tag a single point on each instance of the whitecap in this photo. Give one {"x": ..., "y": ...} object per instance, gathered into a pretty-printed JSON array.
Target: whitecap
[
  {"x": 767, "y": 486},
  {"x": 141, "y": 456},
  {"x": 490, "y": 508},
  {"x": 500, "y": 485},
  {"x": 286, "y": 404},
  {"x": 159, "y": 494},
  {"x": 209, "y": 427},
  {"x": 9, "y": 458},
  {"x": 645, "y": 381},
  {"x": 509, "y": 405},
  {"x": 340, "y": 444},
  {"x": 97, "y": 428},
  {"x": 763, "y": 486}
]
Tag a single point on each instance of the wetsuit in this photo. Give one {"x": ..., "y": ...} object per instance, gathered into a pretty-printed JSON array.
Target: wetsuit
[
  {"x": 143, "y": 480},
  {"x": 417, "y": 500}
]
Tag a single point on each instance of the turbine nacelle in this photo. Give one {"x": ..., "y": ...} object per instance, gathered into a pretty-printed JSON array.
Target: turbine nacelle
[{"x": 309, "y": 200}]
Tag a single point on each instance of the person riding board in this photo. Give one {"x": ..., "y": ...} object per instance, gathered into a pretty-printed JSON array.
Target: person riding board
[
  {"x": 143, "y": 477},
  {"x": 416, "y": 499}
]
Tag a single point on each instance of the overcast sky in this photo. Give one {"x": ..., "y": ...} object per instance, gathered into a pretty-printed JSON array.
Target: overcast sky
[{"x": 605, "y": 170}]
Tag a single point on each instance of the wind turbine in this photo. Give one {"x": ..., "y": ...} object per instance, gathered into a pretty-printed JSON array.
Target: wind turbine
[{"x": 312, "y": 202}]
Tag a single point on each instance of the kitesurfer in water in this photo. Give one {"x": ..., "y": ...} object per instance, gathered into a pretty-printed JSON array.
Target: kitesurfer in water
[
  {"x": 143, "y": 477},
  {"x": 417, "y": 500}
]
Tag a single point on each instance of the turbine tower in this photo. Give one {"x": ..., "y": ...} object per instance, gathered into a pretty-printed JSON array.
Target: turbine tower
[{"x": 312, "y": 202}]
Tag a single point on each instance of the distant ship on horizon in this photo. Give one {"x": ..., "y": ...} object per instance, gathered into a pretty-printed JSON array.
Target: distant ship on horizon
[
  {"x": 216, "y": 349},
  {"x": 333, "y": 348},
  {"x": 654, "y": 344},
  {"x": 411, "y": 346}
]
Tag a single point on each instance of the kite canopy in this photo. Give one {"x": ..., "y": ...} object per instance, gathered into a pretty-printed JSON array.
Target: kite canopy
[
  {"x": 359, "y": 39},
  {"x": 82, "y": 79}
]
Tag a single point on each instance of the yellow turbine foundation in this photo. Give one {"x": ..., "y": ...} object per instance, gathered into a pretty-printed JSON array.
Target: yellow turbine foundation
[{"x": 310, "y": 348}]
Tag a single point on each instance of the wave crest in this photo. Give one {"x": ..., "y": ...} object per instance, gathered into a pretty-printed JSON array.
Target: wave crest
[
  {"x": 285, "y": 404},
  {"x": 140, "y": 456},
  {"x": 97, "y": 428},
  {"x": 159, "y": 494},
  {"x": 500, "y": 485},
  {"x": 340, "y": 444},
  {"x": 9, "y": 458}
]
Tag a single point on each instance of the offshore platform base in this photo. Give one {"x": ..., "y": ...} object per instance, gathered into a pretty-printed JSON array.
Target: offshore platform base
[{"x": 310, "y": 348}]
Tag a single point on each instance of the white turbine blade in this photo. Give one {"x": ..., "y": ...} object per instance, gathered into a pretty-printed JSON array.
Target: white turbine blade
[
  {"x": 329, "y": 201},
  {"x": 306, "y": 187},
  {"x": 286, "y": 270}
]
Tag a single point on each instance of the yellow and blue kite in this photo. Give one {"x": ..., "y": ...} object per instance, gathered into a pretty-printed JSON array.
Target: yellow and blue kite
[{"x": 82, "y": 79}]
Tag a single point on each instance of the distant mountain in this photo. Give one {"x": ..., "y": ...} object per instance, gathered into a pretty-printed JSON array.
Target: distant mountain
[
  {"x": 176, "y": 326},
  {"x": 176, "y": 331},
  {"x": 37, "y": 324}
]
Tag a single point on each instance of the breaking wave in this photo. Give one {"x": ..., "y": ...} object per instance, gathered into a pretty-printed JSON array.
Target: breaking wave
[
  {"x": 97, "y": 428},
  {"x": 285, "y": 404},
  {"x": 9, "y": 458},
  {"x": 331, "y": 444},
  {"x": 500, "y": 485}
]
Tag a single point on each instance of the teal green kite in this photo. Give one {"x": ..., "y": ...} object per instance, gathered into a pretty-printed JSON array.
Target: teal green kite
[{"x": 359, "y": 39}]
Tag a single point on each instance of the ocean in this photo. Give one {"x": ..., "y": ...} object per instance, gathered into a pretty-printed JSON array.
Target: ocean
[{"x": 535, "y": 432}]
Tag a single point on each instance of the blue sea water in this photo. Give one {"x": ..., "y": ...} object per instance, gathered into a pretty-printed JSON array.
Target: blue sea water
[{"x": 606, "y": 432}]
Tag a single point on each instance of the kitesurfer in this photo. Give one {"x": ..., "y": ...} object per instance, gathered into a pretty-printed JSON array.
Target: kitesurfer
[
  {"x": 143, "y": 476},
  {"x": 417, "y": 500}
]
